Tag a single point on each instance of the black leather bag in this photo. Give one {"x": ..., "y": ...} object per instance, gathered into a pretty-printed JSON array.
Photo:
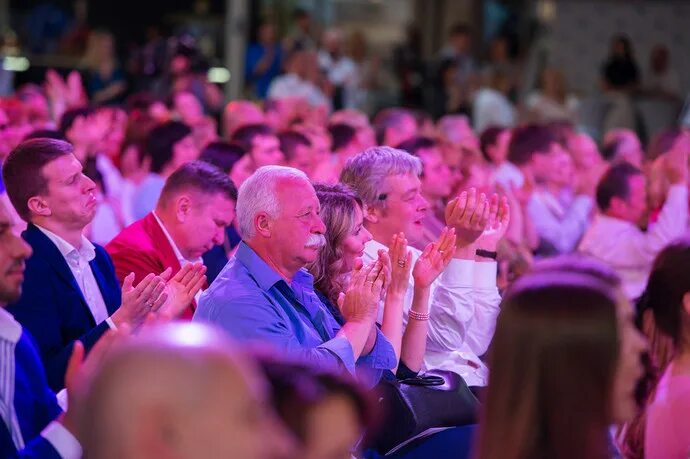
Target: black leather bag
[{"x": 437, "y": 398}]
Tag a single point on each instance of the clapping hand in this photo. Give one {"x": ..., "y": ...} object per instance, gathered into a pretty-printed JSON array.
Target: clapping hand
[
  {"x": 434, "y": 259},
  {"x": 401, "y": 262},
  {"x": 182, "y": 288},
  {"x": 137, "y": 302},
  {"x": 468, "y": 214},
  {"x": 497, "y": 226},
  {"x": 360, "y": 302}
]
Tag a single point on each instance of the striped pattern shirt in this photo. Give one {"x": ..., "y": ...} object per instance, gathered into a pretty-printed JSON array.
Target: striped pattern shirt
[{"x": 10, "y": 332}]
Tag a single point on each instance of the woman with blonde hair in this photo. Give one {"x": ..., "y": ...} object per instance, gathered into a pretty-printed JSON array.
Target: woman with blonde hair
[{"x": 342, "y": 213}]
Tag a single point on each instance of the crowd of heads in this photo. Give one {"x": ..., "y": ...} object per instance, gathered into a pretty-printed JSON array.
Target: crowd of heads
[{"x": 309, "y": 190}]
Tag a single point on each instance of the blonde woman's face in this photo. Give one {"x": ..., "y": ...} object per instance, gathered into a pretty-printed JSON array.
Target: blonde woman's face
[{"x": 353, "y": 245}]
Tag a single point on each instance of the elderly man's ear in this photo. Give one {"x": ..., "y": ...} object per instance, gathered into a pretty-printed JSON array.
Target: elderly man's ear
[{"x": 263, "y": 224}]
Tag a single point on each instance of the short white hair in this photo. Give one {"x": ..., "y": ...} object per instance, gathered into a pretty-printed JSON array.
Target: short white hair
[{"x": 259, "y": 193}]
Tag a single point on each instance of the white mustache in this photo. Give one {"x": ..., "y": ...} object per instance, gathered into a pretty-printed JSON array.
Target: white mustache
[{"x": 316, "y": 241}]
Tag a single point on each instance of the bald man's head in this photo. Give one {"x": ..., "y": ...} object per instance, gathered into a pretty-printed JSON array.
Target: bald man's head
[{"x": 183, "y": 391}]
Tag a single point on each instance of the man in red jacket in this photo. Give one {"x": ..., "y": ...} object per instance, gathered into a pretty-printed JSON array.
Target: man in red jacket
[{"x": 196, "y": 205}]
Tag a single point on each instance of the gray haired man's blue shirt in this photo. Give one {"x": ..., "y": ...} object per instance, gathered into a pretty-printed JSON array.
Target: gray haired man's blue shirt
[{"x": 254, "y": 304}]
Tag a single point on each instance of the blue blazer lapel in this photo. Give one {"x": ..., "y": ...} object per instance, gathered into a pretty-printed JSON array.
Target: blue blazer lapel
[{"x": 44, "y": 248}]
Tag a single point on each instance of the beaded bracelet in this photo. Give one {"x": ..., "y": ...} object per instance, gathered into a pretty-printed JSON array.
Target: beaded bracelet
[{"x": 419, "y": 315}]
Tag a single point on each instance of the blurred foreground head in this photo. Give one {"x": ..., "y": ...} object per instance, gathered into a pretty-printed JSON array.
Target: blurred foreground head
[{"x": 179, "y": 390}]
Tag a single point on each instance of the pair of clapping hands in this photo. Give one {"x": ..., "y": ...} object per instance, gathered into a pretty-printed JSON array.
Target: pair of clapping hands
[
  {"x": 472, "y": 219},
  {"x": 163, "y": 295}
]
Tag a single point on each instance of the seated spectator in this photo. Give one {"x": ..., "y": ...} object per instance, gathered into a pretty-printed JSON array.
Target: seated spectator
[
  {"x": 494, "y": 142},
  {"x": 623, "y": 145},
  {"x": 229, "y": 157},
  {"x": 70, "y": 289},
  {"x": 614, "y": 236},
  {"x": 33, "y": 426},
  {"x": 662, "y": 144},
  {"x": 299, "y": 81},
  {"x": 169, "y": 146},
  {"x": 346, "y": 237},
  {"x": 667, "y": 432},
  {"x": 185, "y": 107},
  {"x": 327, "y": 413},
  {"x": 547, "y": 316},
  {"x": 585, "y": 153},
  {"x": 393, "y": 126},
  {"x": 521, "y": 148},
  {"x": 298, "y": 151},
  {"x": 436, "y": 186},
  {"x": 239, "y": 113},
  {"x": 261, "y": 144},
  {"x": 184, "y": 391},
  {"x": 267, "y": 296},
  {"x": 195, "y": 207},
  {"x": 463, "y": 300},
  {"x": 345, "y": 145},
  {"x": 561, "y": 203}
]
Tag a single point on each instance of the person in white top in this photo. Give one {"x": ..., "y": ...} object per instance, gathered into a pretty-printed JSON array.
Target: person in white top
[
  {"x": 561, "y": 203},
  {"x": 614, "y": 236},
  {"x": 464, "y": 300},
  {"x": 298, "y": 81}
]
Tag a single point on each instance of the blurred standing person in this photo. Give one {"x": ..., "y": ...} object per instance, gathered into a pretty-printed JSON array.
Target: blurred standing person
[
  {"x": 339, "y": 69},
  {"x": 662, "y": 80},
  {"x": 105, "y": 80},
  {"x": 459, "y": 50},
  {"x": 491, "y": 105},
  {"x": 367, "y": 73},
  {"x": 300, "y": 81},
  {"x": 301, "y": 35},
  {"x": 551, "y": 102},
  {"x": 410, "y": 68},
  {"x": 621, "y": 76},
  {"x": 263, "y": 61}
]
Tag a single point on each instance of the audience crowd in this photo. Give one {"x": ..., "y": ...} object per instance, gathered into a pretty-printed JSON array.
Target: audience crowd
[{"x": 304, "y": 281}]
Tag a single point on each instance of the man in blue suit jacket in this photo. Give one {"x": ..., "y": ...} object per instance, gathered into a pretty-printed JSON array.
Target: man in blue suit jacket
[
  {"x": 28, "y": 412},
  {"x": 70, "y": 291}
]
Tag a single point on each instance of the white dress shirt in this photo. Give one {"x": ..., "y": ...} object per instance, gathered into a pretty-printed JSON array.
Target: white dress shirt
[
  {"x": 629, "y": 250},
  {"x": 463, "y": 307},
  {"x": 291, "y": 85},
  {"x": 78, "y": 262},
  {"x": 560, "y": 221},
  {"x": 180, "y": 258},
  {"x": 60, "y": 438},
  {"x": 508, "y": 175}
]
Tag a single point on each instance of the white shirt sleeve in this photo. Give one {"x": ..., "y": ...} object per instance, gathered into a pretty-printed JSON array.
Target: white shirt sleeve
[
  {"x": 63, "y": 441},
  {"x": 451, "y": 307},
  {"x": 672, "y": 223},
  {"x": 564, "y": 233},
  {"x": 487, "y": 302}
]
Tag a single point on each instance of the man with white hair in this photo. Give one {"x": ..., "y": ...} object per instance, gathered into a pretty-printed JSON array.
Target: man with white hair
[
  {"x": 265, "y": 295},
  {"x": 464, "y": 300}
]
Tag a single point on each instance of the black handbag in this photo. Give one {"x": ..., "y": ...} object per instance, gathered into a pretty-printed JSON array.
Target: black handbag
[{"x": 438, "y": 398}]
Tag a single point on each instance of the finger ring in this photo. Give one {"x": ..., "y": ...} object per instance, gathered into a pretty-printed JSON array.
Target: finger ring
[
  {"x": 149, "y": 304},
  {"x": 401, "y": 263},
  {"x": 441, "y": 252},
  {"x": 368, "y": 282}
]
